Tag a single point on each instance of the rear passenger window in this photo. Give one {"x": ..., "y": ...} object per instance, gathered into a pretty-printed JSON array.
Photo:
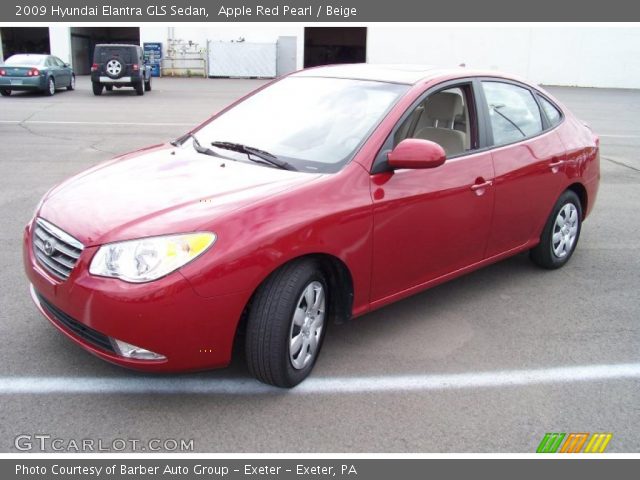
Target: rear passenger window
[
  {"x": 553, "y": 114},
  {"x": 513, "y": 112}
]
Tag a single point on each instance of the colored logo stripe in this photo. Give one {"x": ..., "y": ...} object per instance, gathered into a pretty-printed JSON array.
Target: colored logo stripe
[
  {"x": 598, "y": 443},
  {"x": 550, "y": 443},
  {"x": 574, "y": 442}
]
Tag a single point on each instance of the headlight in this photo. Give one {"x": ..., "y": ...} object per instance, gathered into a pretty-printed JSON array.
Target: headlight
[{"x": 149, "y": 258}]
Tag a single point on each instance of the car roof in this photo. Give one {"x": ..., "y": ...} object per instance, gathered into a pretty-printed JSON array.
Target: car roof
[
  {"x": 406, "y": 74},
  {"x": 34, "y": 55}
]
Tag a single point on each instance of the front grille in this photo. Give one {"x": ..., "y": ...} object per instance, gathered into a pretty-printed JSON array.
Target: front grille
[
  {"x": 55, "y": 250},
  {"x": 89, "y": 335}
]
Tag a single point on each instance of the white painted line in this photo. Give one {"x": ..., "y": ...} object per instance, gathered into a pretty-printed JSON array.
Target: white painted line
[
  {"x": 188, "y": 385},
  {"x": 129, "y": 124},
  {"x": 613, "y": 135}
]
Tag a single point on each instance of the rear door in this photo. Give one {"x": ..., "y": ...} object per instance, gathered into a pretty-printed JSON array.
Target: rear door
[
  {"x": 114, "y": 60},
  {"x": 528, "y": 161}
]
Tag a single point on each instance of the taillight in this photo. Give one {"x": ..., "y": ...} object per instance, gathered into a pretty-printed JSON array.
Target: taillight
[
  {"x": 3, "y": 73},
  {"x": 135, "y": 67},
  {"x": 95, "y": 67},
  {"x": 34, "y": 72}
]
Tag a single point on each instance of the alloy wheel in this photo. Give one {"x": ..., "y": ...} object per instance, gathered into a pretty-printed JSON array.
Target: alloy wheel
[
  {"x": 565, "y": 230},
  {"x": 307, "y": 325}
]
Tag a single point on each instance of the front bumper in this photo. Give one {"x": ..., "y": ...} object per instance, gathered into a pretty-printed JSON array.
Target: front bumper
[
  {"x": 23, "y": 83},
  {"x": 165, "y": 316}
]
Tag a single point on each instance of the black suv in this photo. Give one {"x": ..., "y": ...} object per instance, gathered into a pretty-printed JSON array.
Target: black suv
[{"x": 116, "y": 65}]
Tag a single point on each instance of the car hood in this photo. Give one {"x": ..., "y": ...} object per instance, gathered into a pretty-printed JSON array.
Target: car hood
[{"x": 159, "y": 191}]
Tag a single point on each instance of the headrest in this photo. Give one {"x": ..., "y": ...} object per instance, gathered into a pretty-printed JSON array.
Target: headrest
[{"x": 443, "y": 106}]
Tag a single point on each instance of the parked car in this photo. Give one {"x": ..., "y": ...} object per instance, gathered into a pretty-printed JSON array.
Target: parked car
[
  {"x": 35, "y": 72},
  {"x": 323, "y": 196},
  {"x": 117, "y": 65}
]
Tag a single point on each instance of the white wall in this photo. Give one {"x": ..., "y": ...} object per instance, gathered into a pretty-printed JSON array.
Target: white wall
[
  {"x": 226, "y": 33},
  {"x": 60, "y": 43},
  {"x": 552, "y": 55}
]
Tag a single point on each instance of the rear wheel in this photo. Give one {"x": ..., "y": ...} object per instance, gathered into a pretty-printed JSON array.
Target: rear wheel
[
  {"x": 72, "y": 83},
  {"x": 561, "y": 233},
  {"x": 287, "y": 323},
  {"x": 5, "y": 92},
  {"x": 97, "y": 88},
  {"x": 140, "y": 87},
  {"x": 51, "y": 87}
]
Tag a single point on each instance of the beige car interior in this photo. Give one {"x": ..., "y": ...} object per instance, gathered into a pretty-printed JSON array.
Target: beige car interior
[{"x": 441, "y": 118}]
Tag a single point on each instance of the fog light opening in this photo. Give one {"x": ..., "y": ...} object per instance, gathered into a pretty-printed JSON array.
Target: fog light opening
[{"x": 127, "y": 350}]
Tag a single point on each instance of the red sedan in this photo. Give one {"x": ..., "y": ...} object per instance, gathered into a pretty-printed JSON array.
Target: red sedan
[{"x": 320, "y": 197}]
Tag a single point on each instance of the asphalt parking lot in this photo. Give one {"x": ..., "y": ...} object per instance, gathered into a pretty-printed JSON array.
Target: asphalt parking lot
[{"x": 419, "y": 364}]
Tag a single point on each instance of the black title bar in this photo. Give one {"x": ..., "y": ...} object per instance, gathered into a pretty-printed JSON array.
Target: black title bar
[{"x": 309, "y": 11}]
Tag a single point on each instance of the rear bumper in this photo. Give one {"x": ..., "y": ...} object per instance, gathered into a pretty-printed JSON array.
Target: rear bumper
[
  {"x": 105, "y": 79},
  {"x": 23, "y": 83},
  {"x": 165, "y": 316},
  {"x": 126, "y": 80}
]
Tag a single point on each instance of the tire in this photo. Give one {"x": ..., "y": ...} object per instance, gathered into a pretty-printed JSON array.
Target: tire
[
  {"x": 114, "y": 68},
  {"x": 72, "y": 83},
  {"x": 97, "y": 88},
  {"x": 109, "y": 88},
  {"x": 147, "y": 85},
  {"x": 280, "y": 313},
  {"x": 140, "y": 87},
  {"x": 561, "y": 233},
  {"x": 51, "y": 87},
  {"x": 5, "y": 92}
]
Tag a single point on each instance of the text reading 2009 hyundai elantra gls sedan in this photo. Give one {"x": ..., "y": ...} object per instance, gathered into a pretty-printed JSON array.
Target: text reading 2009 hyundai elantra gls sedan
[{"x": 318, "y": 198}]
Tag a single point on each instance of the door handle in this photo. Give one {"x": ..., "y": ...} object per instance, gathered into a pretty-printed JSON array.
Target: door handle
[
  {"x": 556, "y": 163},
  {"x": 478, "y": 186}
]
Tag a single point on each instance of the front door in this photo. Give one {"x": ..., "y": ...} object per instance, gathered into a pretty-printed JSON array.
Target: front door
[{"x": 431, "y": 222}]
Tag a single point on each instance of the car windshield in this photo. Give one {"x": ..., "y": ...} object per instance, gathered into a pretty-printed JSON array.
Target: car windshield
[
  {"x": 25, "y": 60},
  {"x": 314, "y": 124}
]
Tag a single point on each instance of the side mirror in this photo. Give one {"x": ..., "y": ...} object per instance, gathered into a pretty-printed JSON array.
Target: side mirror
[{"x": 416, "y": 153}]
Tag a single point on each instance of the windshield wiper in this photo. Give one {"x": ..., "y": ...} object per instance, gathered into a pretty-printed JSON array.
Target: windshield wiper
[
  {"x": 264, "y": 157},
  {"x": 200, "y": 149}
]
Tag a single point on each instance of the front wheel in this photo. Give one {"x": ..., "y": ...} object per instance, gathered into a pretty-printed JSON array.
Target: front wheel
[
  {"x": 147, "y": 85},
  {"x": 51, "y": 87},
  {"x": 561, "y": 233},
  {"x": 5, "y": 92},
  {"x": 286, "y": 324}
]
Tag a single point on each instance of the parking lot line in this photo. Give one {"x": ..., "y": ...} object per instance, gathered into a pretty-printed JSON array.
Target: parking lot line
[
  {"x": 612, "y": 135},
  {"x": 240, "y": 386},
  {"x": 129, "y": 124}
]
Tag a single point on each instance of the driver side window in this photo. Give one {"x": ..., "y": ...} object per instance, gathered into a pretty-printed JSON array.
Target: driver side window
[{"x": 444, "y": 118}]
